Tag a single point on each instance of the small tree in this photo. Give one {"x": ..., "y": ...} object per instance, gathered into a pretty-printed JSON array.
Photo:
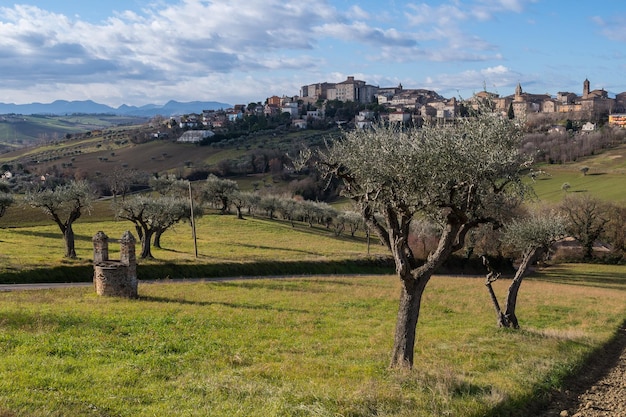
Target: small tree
[
  {"x": 287, "y": 208},
  {"x": 6, "y": 200},
  {"x": 152, "y": 217},
  {"x": 354, "y": 221},
  {"x": 461, "y": 174},
  {"x": 270, "y": 205},
  {"x": 239, "y": 200},
  {"x": 64, "y": 204},
  {"x": 531, "y": 237},
  {"x": 219, "y": 191},
  {"x": 584, "y": 170},
  {"x": 587, "y": 217}
]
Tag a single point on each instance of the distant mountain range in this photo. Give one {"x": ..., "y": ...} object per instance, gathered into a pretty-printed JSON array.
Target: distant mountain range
[{"x": 63, "y": 107}]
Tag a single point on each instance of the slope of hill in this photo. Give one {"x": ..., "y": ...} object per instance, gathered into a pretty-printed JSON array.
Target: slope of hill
[
  {"x": 18, "y": 130},
  {"x": 133, "y": 147},
  {"x": 605, "y": 178}
]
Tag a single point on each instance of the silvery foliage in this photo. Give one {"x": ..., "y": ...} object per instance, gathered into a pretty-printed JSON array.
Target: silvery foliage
[
  {"x": 538, "y": 230},
  {"x": 63, "y": 201},
  {"x": 461, "y": 167},
  {"x": 159, "y": 212}
]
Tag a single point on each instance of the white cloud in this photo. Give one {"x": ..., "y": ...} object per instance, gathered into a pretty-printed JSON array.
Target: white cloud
[
  {"x": 612, "y": 28},
  {"x": 205, "y": 47},
  {"x": 493, "y": 78},
  {"x": 357, "y": 13}
]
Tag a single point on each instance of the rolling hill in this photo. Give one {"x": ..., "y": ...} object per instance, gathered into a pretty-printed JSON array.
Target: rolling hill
[{"x": 102, "y": 151}]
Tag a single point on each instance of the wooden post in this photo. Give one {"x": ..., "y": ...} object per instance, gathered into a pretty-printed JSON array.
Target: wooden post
[{"x": 193, "y": 222}]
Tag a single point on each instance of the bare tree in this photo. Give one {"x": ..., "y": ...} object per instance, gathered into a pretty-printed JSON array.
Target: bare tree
[
  {"x": 531, "y": 237},
  {"x": 587, "y": 217},
  {"x": 461, "y": 174},
  {"x": 119, "y": 181},
  {"x": 64, "y": 204}
]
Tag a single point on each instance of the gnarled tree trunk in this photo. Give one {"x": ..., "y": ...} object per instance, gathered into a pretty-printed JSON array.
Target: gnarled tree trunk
[
  {"x": 511, "y": 299},
  {"x": 406, "y": 323},
  {"x": 414, "y": 280},
  {"x": 145, "y": 244},
  {"x": 68, "y": 238}
]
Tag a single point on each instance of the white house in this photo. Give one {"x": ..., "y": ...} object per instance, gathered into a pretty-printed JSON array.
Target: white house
[
  {"x": 195, "y": 136},
  {"x": 399, "y": 117},
  {"x": 588, "y": 127},
  {"x": 291, "y": 108}
]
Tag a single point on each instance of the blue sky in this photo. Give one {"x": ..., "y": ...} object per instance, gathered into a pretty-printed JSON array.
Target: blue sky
[{"x": 239, "y": 51}]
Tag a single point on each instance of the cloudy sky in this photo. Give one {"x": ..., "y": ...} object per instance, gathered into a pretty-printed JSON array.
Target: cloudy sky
[{"x": 237, "y": 51}]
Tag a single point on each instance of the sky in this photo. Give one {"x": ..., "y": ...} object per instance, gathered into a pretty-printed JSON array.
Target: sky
[{"x": 138, "y": 52}]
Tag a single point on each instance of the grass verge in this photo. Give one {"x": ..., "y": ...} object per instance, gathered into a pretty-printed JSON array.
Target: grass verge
[{"x": 297, "y": 347}]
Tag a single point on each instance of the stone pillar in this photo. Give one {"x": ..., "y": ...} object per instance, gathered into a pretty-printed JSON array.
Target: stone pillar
[
  {"x": 128, "y": 258},
  {"x": 100, "y": 247}
]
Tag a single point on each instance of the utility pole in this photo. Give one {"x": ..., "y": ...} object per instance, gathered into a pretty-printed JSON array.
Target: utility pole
[{"x": 193, "y": 222}]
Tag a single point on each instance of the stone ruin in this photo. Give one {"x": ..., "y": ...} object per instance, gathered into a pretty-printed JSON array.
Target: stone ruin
[{"x": 115, "y": 278}]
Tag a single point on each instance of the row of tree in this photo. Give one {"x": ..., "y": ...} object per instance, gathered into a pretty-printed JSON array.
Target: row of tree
[{"x": 169, "y": 201}]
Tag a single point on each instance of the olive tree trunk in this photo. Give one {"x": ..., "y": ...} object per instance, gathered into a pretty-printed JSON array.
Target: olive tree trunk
[
  {"x": 145, "y": 244},
  {"x": 68, "y": 238},
  {"x": 406, "y": 323},
  {"x": 414, "y": 280},
  {"x": 511, "y": 299}
]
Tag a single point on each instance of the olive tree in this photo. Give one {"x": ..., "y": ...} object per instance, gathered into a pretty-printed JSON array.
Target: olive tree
[
  {"x": 64, "y": 204},
  {"x": 531, "y": 237},
  {"x": 6, "y": 200},
  {"x": 169, "y": 185},
  {"x": 153, "y": 216},
  {"x": 461, "y": 174},
  {"x": 219, "y": 191}
]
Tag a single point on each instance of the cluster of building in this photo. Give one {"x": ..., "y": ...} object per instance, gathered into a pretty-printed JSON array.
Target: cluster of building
[
  {"x": 402, "y": 104},
  {"x": 412, "y": 105}
]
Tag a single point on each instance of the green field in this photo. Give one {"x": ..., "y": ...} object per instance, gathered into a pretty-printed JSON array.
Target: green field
[
  {"x": 226, "y": 246},
  {"x": 606, "y": 178},
  {"x": 26, "y": 130},
  {"x": 293, "y": 347},
  {"x": 290, "y": 346}
]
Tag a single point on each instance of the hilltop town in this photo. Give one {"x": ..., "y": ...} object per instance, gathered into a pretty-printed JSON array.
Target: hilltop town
[{"x": 418, "y": 106}]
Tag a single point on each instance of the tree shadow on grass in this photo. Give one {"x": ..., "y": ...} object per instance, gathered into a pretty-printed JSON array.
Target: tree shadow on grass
[
  {"x": 53, "y": 235},
  {"x": 549, "y": 401},
  {"x": 265, "y": 307},
  {"x": 596, "y": 279}
]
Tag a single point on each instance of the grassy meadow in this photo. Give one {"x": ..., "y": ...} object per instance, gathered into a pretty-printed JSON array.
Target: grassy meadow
[
  {"x": 606, "y": 178},
  {"x": 293, "y": 347},
  {"x": 226, "y": 247}
]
